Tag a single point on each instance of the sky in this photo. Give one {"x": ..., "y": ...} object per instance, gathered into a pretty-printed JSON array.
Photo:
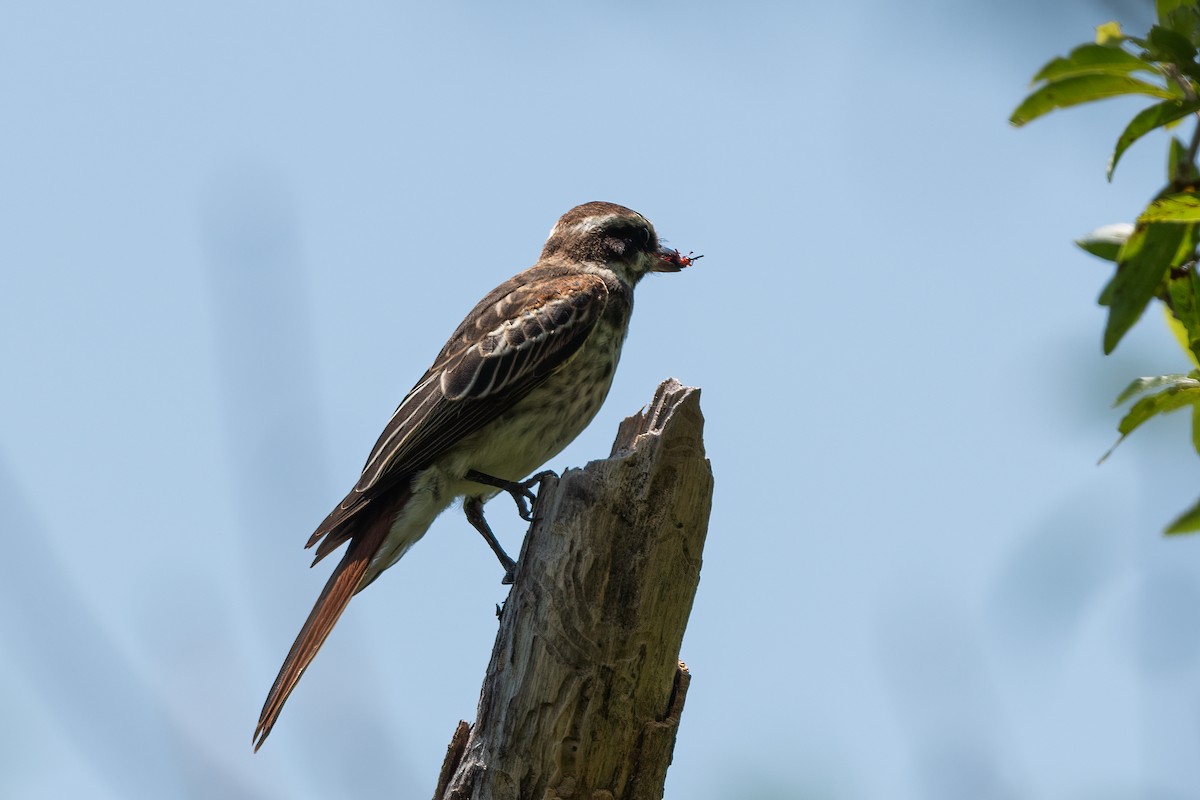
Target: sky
[{"x": 234, "y": 235}]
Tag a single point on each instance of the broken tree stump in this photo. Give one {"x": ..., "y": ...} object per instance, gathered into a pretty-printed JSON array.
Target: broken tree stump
[{"x": 583, "y": 693}]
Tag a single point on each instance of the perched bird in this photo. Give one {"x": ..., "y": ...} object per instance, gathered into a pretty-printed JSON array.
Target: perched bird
[{"x": 521, "y": 377}]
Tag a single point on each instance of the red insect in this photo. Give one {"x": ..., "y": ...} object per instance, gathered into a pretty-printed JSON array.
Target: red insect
[{"x": 679, "y": 260}]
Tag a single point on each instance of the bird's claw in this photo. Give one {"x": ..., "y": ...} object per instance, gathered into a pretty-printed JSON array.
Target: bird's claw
[
  {"x": 524, "y": 496},
  {"x": 521, "y": 491}
]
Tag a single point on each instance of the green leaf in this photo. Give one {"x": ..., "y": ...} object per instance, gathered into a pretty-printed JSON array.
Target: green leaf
[
  {"x": 1143, "y": 263},
  {"x": 1156, "y": 116},
  {"x": 1183, "y": 294},
  {"x": 1143, "y": 385},
  {"x": 1164, "y": 8},
  {"x": 1183, "y": 393},
  {"x": 1187, "y": 522},
  {"x": 1180, "y": 393},
  {"x": 1180, "y": 168},
  {"x": 1106, "y": 242},
  {"x": 1179, "y": 333},
  {"x": 1176, "y": 47},
  {"x": 1093, "y": 59},
  {"x": 1196, "y": 428},
  {"x": 1171, "y": 46},
  {"x": 1183, "y": 207},
  {"x": 1180, "y": 16},
  {"x": 1084, "y": 89},
  {"x": 1109, "y": 34}
]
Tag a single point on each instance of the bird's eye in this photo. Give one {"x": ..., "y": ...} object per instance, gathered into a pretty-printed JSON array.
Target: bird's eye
[{"x": 633, "y": 236}]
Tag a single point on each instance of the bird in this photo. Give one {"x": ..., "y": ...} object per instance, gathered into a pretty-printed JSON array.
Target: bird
[{"x": 518, "y": 380}]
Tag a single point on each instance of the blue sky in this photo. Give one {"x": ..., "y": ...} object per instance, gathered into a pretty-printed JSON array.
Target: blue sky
[{"x": 234, "y": 236}]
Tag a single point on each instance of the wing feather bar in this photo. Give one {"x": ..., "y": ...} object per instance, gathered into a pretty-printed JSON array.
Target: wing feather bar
[
  {"x": 530, "y": 343},
  {"x": 522, "y": 338}
]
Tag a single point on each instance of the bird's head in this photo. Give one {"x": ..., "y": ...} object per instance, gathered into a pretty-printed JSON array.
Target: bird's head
[{"x": 612, "y": 236}]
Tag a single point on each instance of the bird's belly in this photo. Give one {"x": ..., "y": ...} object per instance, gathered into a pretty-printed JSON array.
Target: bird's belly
[
  {"x": 547, "y": 419},
  {"x": 539, "y": 427}
]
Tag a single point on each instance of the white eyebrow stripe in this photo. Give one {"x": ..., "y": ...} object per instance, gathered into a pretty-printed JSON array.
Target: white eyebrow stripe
[{"x": 591, "y": 223}]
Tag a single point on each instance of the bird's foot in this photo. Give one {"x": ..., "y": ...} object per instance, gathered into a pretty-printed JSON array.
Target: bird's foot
[{"x": 521, "y": 491}]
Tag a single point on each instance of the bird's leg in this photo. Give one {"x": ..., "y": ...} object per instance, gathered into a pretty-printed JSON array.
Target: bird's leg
[
  {"x": 473, "y": 506},
  {"x": 521, "y": 491}
]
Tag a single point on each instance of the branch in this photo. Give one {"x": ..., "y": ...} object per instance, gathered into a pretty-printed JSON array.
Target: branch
[
  {"x": 584, "y": 690},
  {"x": 1189, "y": 94}
]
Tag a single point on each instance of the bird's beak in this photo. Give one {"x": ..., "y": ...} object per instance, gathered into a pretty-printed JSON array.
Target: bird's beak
[{"x": 671, "y": 260}]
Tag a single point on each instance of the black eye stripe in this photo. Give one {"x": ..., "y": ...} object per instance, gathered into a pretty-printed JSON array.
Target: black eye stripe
[{"x": 637, "y": 234}]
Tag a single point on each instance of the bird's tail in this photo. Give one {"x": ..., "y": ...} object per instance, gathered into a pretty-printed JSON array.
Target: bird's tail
[{"x": 342, "y": 585}]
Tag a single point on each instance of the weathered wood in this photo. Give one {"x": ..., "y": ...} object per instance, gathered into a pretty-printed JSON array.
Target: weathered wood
[{"x": 584, "y": 690}]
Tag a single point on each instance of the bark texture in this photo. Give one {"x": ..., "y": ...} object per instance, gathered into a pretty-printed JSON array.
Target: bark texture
[{"x": 584, "y": 690}]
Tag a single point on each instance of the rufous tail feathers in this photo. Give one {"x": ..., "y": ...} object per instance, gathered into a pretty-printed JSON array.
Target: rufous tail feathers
[{"x": 343, "y": 583}]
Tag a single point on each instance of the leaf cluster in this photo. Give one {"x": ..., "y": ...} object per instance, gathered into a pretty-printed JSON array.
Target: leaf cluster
[{"x": 1156, "y": 257}]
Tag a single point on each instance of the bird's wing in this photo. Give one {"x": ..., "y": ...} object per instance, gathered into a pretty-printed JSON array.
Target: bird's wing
[{"x": 509, "y": 344}]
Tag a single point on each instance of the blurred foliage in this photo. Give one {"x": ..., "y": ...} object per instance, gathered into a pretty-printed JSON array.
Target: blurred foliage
[{"x": 1156, "y": 257}]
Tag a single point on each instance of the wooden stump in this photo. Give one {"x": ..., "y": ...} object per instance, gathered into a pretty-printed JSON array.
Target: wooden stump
[{"x": 584, "y": 690}]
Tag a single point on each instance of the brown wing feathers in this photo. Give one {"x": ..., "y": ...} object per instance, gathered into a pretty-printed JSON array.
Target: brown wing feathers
[{"x": 512, "y": 340}]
